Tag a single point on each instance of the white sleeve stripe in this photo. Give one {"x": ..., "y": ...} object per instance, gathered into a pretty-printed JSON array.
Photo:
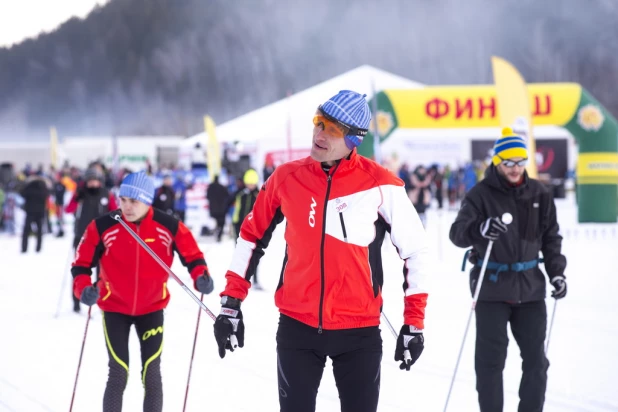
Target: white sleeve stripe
[
  {"x": 407, "y": 235},
  {"x": 413, "y": 277},
  {"x": 242, "y": 256}
]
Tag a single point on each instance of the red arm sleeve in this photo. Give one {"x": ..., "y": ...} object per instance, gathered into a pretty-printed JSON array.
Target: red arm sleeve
[
  {"x": 72, "y": 206},
  {"x": 190, "y": 254},
  {"x": 112, "y": 202},
  {"x": 255, "y": 234},
  {"x": 81, "y": 269}
]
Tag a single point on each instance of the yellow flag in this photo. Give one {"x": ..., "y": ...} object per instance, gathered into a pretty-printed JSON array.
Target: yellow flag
[
  {"x": 53, "y": 146},
  {"x": 514, "y": 106},
  {"x": 213, "y": 151}
]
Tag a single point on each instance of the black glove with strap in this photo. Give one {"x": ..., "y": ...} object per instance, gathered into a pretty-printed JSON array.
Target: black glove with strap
[
  {"x": 229, "y": 326},
  {"x": 560, "y": 287},
  {"x": 492, "y": 228},
  {"x": 410, "y": 345}
]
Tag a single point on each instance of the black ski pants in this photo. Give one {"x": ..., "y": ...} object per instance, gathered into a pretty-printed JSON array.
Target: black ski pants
[
  {"x": 528, "y": 324},
  {"x": 149, "y": 330},
  {"x": 37, "y": 219},
  {"x": 301, "y": 355}
]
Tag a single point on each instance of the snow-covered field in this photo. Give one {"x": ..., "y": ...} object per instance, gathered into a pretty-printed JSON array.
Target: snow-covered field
[{"x": 39, "y": 353}]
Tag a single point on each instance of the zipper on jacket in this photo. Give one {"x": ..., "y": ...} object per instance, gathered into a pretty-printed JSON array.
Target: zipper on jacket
[
  {"x": 345, "y": 235},
  {"x": 328, "y": 183},
  {"x": 136, "y": 272}
]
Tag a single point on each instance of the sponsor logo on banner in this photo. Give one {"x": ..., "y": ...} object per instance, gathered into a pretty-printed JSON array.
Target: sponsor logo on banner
[
  {"x": 385, "y": 123},
  {"x": 590, "y": 118},
  {"x": 477, "y": 106},
  {"x": 597, "y": 168}
]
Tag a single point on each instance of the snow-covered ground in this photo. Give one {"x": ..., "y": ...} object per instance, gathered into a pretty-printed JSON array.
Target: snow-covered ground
[{"x": 39, "y": 353}]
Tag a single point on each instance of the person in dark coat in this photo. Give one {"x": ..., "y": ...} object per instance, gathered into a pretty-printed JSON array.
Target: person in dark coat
[
  {"x": 35, "y": 194},
  {"x": 59, "y": 192},
  {"x": 217, "y": 196},
  {"x": 243, "y": 205},
  {"x": 165, "y": 196},
  {"x": 513, "y": 288},
  {"x": 420, "y": 195},
  {"x": 89, "y": 201}
]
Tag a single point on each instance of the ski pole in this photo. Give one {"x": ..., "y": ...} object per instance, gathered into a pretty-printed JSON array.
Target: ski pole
[
  {"x": 81, "y": 354},
  {"x": 118, "y": 217},
  {"x": 551, "y": 325},
  {"x": 406, "y": 354},
  {"x": 64, "y": 281},
  {"x": 197, "y": 327},
  {"x": 507, "y": 218}
]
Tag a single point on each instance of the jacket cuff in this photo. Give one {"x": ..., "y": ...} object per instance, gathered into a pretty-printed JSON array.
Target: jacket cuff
[
  {"x": 236, "y": 287},
  {"x": 80, "y": 283},
  {"x": 414, "y": 310},
  {"x": 557, "y": 277},
  {"x": 199, "y": 271}
]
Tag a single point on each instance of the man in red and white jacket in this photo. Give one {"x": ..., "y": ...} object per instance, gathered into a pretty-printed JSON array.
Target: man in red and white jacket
[
  {"x": 132, "y": 287},
  {"x": 338, "y": 208}
]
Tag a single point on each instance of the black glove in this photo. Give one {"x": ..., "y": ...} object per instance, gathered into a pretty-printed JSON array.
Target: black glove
[
  {"x": 410, "y": 340},
  {"x": 204, "y": 284},
  {"x": 229, "y": 326},
  {"x": 560, "y": 287},
  {"x": 89, "y": 296},
  {"x": 492, "y": 228}
]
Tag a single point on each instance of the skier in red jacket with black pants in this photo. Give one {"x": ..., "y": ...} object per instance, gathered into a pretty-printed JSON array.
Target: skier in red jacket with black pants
[
  {"x": 132, "y": 287},
  {"x": 338, "y": 208}
]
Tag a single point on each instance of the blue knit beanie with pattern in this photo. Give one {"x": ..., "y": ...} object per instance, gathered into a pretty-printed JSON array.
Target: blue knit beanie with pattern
[
  {"x": 351, "y": 109},
  {"x": 138, "y": 186}
]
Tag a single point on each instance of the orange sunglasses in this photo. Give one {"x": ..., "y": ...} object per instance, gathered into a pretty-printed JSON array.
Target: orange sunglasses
[
  {"x": 330, "y": 127},
  {"x": 334, "y": 127}
]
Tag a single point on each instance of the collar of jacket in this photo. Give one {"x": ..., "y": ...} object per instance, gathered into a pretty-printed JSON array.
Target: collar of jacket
[
  {"x": 348, "y": 162},
  {"x": 493, "y": 179}
]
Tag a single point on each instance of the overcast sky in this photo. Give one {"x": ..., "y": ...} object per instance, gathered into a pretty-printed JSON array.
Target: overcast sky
[{"x": 21, "y": 19}]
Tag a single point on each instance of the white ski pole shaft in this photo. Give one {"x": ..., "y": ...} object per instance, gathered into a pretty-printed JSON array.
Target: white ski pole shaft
[
  {"x": 406, "y": 353},
  {"x": 65, "y": 272},
  {"x": 197, "y": 328},
  {"x": 507, "y": 218},
  {"x": 118, "y": 218},
  {"x": 551, "y": 325}
]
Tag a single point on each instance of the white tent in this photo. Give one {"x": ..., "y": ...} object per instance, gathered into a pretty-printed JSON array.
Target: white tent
[{"x": 268, "y": 128}]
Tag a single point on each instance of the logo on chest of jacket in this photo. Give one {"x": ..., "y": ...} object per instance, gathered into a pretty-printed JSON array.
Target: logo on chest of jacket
[
  {"x": 535, "y": 205},
  {"x": 340, "y": 207},
  {"x": 312, "y": 213}
]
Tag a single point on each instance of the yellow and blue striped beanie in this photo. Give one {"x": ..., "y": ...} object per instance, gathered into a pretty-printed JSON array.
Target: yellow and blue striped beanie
[{"x": 509, "y": 146}]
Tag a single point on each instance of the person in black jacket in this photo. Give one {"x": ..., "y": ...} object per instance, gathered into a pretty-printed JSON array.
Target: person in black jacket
[
  {"x": 165, "y": 196},
  {"x": 513, "y": 289},
  {"x": 35, "y": 193},
  {"x": 217, "y": 196},
  {"x": 59, "y": 191},
  {"x": 243, "y": 205},
  {"x": 90, "y": 201}
]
